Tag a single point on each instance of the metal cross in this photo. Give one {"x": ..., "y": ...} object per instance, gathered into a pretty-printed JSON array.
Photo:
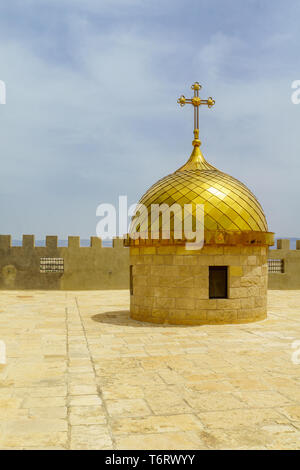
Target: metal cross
[{"x": 196, "y": 101}]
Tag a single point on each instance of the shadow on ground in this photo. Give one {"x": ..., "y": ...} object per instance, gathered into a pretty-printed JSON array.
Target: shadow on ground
[{"x": 122, "y": 318}]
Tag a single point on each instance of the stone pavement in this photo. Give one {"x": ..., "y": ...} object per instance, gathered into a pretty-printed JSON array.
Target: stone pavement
[{"x": 81, "y": 375}]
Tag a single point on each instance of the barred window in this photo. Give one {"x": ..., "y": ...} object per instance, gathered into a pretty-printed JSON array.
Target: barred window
[
  {"x": 51, "y": 265},
  {"x": 276, "y": 266}
]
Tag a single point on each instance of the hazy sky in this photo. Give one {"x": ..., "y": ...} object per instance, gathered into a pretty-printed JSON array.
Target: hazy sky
[{"x": 91, "y": 109}]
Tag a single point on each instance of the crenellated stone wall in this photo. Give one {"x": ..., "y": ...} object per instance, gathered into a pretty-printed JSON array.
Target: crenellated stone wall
[
  {"x": 93, "y": 267},
  {"x": 96, "y": 267},
  {"x": 289, "y": 279}
]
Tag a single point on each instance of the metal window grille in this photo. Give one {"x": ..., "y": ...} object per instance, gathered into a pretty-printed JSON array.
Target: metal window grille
[
  {"x": 51, "y": 265},
  {"x": 275, "y": 266}
]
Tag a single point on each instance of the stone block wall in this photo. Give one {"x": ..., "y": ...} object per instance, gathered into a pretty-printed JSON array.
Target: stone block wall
[
  {"x": 93, "y": 267},
  {"x": 171, "y": 285}
]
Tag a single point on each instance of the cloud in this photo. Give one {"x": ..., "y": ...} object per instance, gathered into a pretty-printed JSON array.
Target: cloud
[{"x": 218, "y": 53}]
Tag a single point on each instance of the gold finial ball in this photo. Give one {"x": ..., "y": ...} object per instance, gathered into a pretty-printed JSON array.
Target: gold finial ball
[
  {"x": 196, "y": 86},
  {"x": 181, "y": 100},
  {"x": 210, "y": 102},
  {"x": 196, "y": 101}
]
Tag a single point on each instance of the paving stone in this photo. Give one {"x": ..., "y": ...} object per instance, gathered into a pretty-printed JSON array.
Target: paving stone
[
  {"x": 92, "y": 437},
  {"x": 156, "y": 424},
  {"x": 161, "y": 441},
  {"x": 80, "y": 415},
  {"x": 128, "y": 407},
  {"x": 85, "y": 400}
]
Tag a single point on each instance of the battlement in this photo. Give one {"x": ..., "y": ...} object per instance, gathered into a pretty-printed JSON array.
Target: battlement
[
  {"x": 75, "y": 267},
  {"x": 28, "y": 242},
  {"x": 284, "y": 244},
  {"x": 286, "y": 274},
  {"x": 71, "y": 267}
]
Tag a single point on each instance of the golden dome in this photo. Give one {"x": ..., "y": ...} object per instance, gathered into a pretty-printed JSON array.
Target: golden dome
[
  {"x": 230, "y": 208},
  {"x": 228, "y": 204}
]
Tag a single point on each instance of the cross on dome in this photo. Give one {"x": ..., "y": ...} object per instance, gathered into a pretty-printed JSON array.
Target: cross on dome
[{"x": 196, "y": 101}]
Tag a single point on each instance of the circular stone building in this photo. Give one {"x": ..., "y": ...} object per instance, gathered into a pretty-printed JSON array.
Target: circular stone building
[{"x": 225, "y": 281}]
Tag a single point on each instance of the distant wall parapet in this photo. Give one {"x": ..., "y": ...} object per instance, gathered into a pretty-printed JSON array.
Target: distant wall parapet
[
  {"x": 95, "y": 267},
  {"x": 56, "y": 267},
  {"x": 289, "y": 278},
  {"x": 52, "y": 242}
]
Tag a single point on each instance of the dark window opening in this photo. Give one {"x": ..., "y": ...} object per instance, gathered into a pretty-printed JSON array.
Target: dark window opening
[
  {"x": 218, "y": 282},
  {"x": 131, "y": 280}
]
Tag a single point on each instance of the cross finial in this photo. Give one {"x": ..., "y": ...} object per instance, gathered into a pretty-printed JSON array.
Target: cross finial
[{"x": 196, "y": 101}]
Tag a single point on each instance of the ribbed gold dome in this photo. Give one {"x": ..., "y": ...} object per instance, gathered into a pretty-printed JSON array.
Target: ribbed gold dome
[{"x": 229, "y": 206}]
